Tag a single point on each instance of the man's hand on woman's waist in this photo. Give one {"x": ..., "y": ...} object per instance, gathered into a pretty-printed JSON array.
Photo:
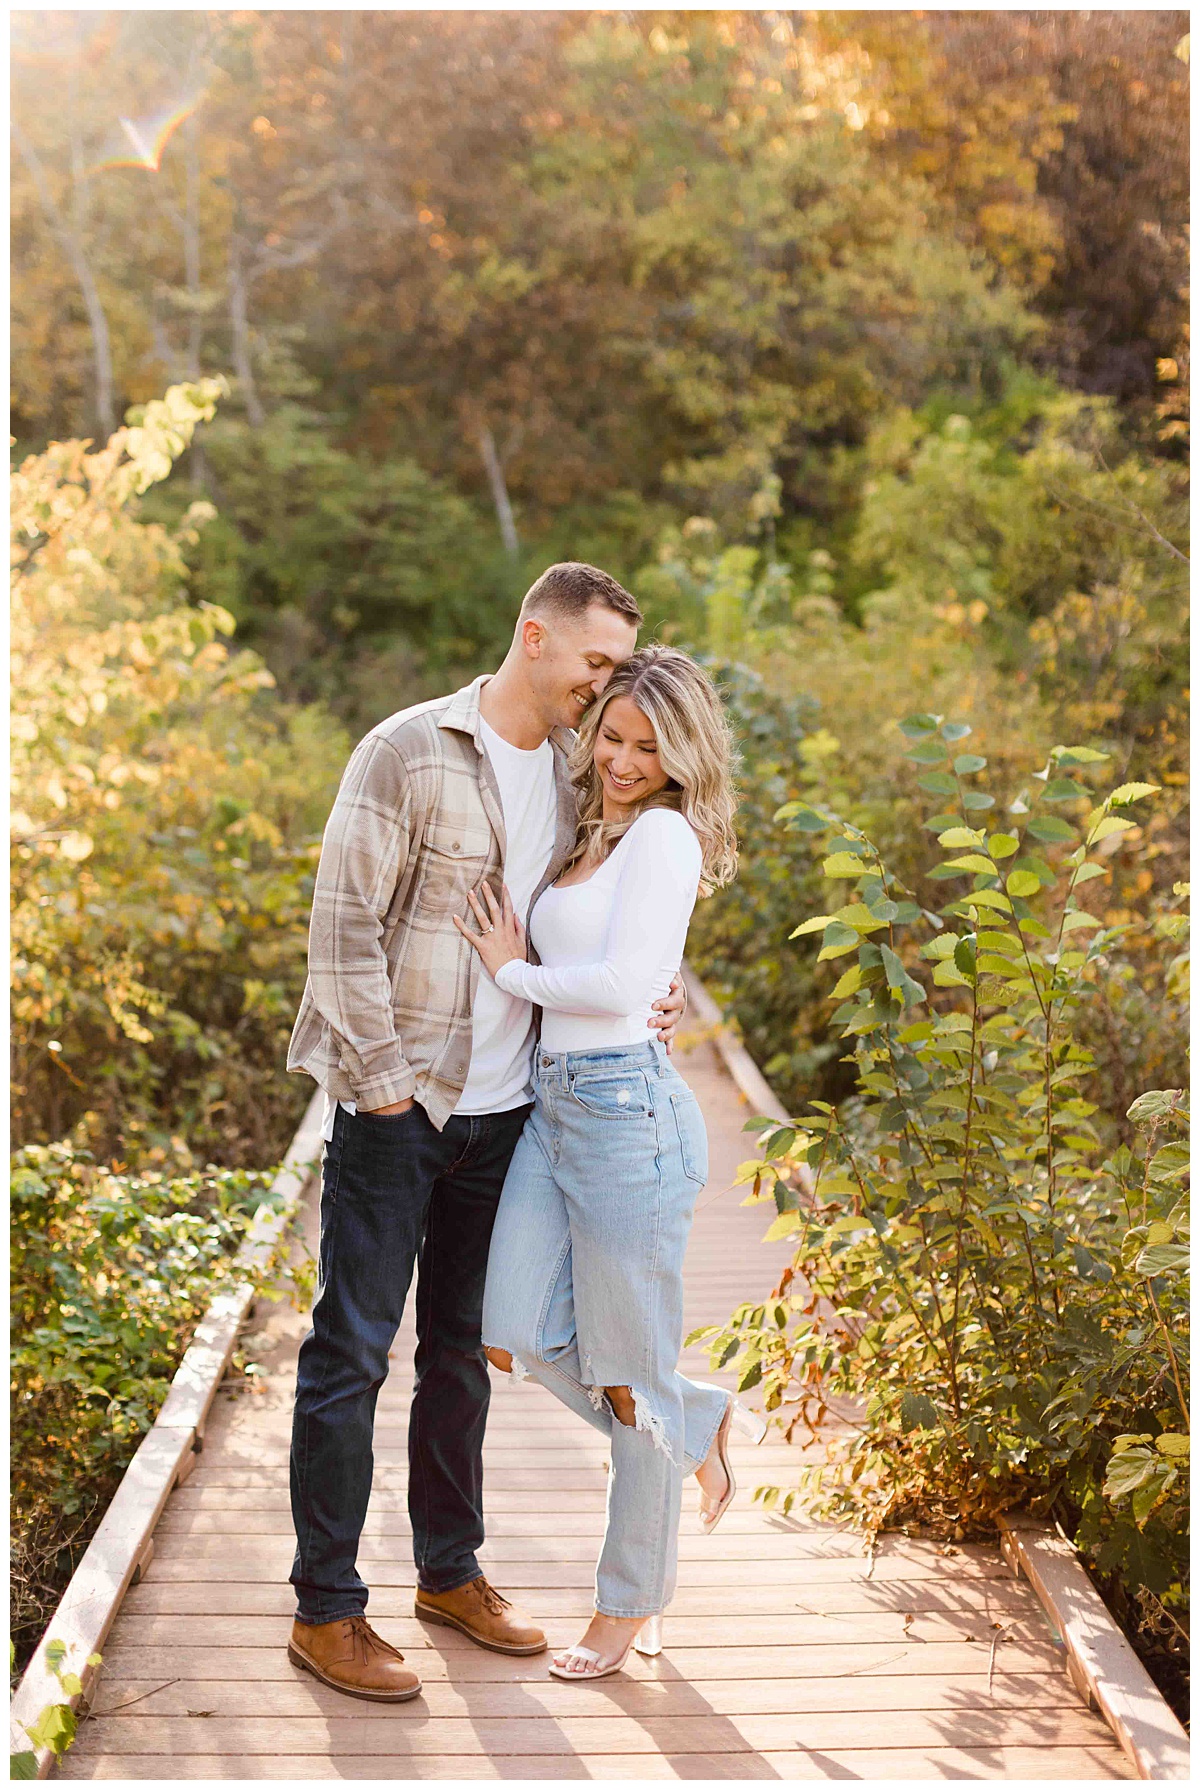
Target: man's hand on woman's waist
[{"x": 667, "y": 1013}]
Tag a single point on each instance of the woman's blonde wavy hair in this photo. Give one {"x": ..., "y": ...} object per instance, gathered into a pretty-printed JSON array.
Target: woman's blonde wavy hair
[{"x": 695, "y": 748}]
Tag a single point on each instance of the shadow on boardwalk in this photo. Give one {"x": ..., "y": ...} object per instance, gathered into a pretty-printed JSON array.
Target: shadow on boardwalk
[{"x": 783, "y": 1659}]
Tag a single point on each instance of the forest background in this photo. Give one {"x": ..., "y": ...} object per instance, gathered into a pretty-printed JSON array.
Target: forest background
[{"x": 854, "y": 343}]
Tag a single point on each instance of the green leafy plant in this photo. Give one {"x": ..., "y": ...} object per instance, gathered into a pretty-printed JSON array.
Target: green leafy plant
[
  {"x": 111, "y": 1271},
  {"x": 55, "y": 1726},
  {"x": 991, "y": 1298}
]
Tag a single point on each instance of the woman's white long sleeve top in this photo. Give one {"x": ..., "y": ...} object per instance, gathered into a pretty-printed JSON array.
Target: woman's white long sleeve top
[{"x": 610, "y": 946}]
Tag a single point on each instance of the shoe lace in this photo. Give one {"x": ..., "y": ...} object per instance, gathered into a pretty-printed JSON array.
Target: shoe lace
[
  {"x": 361, "y": 1631},
  {"x": 491, "y": 1599}
]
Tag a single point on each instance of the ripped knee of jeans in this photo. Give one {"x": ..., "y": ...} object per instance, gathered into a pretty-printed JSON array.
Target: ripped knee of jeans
[
  {"x": 507, "y": 1363},
  {"x": 634, "y": 1410},
  {"x": 623, "y": 1407}
]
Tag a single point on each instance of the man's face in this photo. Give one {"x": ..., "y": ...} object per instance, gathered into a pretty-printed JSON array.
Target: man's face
[{"x": 571, "y": 659}]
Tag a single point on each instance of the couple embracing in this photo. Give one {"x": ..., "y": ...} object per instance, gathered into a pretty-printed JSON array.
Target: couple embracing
[{"x": 502, "y": 1116}]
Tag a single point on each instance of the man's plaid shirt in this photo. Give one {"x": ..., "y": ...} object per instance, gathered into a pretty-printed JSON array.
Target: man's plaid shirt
[{"x": 386, "y": 1013}]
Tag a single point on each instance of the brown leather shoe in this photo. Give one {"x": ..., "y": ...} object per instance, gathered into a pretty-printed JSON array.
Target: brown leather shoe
[
  {"x": 351, "y": 1657},
  {"x": 478, "y": 1611}
]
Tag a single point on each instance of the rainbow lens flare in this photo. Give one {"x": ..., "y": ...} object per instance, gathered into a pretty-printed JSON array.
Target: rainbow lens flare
[{"x": 140, "y": 142}]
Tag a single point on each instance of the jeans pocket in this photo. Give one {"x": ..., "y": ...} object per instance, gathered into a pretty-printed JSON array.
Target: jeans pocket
[
  {"x": 693, "y": 1138},
  {"x": 612, "y": 1095}
]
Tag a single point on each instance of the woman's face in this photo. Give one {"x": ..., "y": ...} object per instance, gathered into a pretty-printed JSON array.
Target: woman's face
[{"x": 626, "y": 754}]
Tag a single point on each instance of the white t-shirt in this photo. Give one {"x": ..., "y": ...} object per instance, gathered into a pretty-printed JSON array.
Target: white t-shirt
[
  {"x": 502, "y": 1030},
  {"x": 610, "y": 946}
]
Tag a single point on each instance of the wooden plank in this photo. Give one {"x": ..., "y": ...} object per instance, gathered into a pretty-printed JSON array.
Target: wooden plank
[
  {"x": 261, "y": 1658},
  {"x": 744, "y": 1534},
  {"x": 393, "y": 1611},
  {"x": 1105, "y": 1667},
  {"x": 574, "y": 1602},
  {"x": 1022, "y": 1764},
  {"x": 407, "y": 1733},
  {"x": 141, "y": 1700},
  {"x": 210, "y": 1516},
  {"x": 265, "y": 1559},
  {"x": 205, "y": 1361}
]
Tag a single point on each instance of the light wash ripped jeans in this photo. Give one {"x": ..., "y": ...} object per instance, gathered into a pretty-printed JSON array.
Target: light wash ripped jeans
[{"x": 585, "y": 1288}]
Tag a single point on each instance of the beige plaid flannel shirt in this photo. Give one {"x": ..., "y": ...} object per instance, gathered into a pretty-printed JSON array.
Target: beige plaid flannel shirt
[{"x": 386, "y": 1013}]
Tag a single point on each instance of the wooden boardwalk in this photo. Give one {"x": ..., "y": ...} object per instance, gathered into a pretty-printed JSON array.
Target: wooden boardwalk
[{"x": 787, "y": 1654}]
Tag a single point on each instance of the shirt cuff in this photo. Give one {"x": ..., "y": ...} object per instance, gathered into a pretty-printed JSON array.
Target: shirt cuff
[{"x": 385, "y": 1087}]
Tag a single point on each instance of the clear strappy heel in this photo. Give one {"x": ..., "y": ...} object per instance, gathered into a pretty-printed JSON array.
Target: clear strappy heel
[
  {"x": 647, "y": 1640},
  {"x": 754, "y": 1429}
]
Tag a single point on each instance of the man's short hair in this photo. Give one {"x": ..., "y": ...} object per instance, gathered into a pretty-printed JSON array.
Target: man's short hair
[{"x": 569, "y": 589}]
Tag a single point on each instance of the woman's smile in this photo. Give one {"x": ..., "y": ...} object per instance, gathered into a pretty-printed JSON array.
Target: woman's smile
[{"x": 622, "y": 783}]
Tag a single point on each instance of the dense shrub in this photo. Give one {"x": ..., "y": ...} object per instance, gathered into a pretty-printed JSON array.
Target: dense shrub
[
  {"x": 1020, "y": 563},
  {"x": 167, "y": 818},
  {"x": 1010, "y": 1289},
  {"x": 365, "y": 582},
  {"x": 111, "y": 1271},
  {"x": 793, "y": 671}
]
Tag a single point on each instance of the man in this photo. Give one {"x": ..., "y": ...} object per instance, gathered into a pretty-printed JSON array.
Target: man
[{"x": 427, "y": 1067}]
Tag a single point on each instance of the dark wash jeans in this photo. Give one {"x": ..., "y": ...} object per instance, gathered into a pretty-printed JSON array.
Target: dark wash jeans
[{"x": 397, "y": 1193}]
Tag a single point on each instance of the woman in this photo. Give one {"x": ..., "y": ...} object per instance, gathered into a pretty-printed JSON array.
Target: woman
[{"x": 585, "y": 1276}]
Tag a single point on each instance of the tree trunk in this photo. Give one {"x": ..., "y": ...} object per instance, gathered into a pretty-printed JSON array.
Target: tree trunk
[
  {"x": 239, "y": 318},
  {"x": 72, "y": 247},
  {"x": 191, "y": 267},
  {"x": 191, "y": 246},
  {"x": 495, "y": 472}
]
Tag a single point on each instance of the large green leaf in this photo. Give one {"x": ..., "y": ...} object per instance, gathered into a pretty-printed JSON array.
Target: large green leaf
[
  {"x": 1159, "y": 1103},
  {"x": 918, "y": 1412},
  {"x": 1022, "y": 882},
  {"x": 1049, "y": 829},
  {"x": 973, "y": 861},
  {"x": 818, "y": 923},
  {"x": 898, "y": 978},
  {"x": 1080, "y": 755},
  {"x": 1132, "y": 792},
  {"x": 1162, "y": 1258},
  {"x": 928, "y": 752},
  {"x": 838, "y": 940},
  {"x": 1063, "y": 789},
  {"x": 961, "y": 838},
  {"x": 989, "y": 898}
]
